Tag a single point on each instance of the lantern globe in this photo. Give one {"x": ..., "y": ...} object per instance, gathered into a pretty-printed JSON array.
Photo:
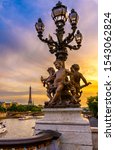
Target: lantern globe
[{"x": 59, "y": 14}]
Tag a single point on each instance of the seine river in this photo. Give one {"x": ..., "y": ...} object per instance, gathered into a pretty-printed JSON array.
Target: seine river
[{"x": 18, "y": 128}]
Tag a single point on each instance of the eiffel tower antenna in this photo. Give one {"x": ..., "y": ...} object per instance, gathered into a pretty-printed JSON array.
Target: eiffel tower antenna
[{"x": 30, "y": 96}]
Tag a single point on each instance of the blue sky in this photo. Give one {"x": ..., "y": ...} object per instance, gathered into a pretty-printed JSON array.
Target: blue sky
[{"x": 23, "y": 58}]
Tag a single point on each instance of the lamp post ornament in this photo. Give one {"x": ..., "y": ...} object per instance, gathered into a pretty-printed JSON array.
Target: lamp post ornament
[{"x": 63, "y": 87}]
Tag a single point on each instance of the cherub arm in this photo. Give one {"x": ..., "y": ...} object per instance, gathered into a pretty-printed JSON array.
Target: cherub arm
[
  {"x": 84, "y": 80},
  {"x": 68, "y": 72},
  {"x": 43, "y": 80}
]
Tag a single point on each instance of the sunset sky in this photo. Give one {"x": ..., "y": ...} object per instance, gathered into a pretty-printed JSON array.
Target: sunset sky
[{"x": 24, "y": 58}]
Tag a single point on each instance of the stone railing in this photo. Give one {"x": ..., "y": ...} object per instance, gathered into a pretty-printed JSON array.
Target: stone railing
[
  {"x": 94, "y": 131},
  {"x": 43, "y": 141}
]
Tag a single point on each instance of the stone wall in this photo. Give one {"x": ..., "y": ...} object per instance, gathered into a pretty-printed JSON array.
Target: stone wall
[
  {"x": 95, "y": 137},
  {"x": 75, "y": 130}
]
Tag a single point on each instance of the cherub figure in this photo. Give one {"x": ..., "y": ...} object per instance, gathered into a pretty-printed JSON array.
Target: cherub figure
[
  {"x": 48, "y": 82},
  {"x": 75, "y": 78},
  {"x": 59, "y": 81}
]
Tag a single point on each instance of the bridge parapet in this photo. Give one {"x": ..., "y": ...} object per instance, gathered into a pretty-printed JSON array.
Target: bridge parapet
[{"x": 45, "y": 140}]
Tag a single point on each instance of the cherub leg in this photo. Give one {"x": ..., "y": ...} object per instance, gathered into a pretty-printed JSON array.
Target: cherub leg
[{"x": 57, "y": 93}]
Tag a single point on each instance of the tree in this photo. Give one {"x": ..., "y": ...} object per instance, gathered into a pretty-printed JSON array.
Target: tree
[
  {"x": 12, "y": 108},
  {"x": 92, "y": 103},
  {"x": 2, "y": 109},
  {"x": 33, "y": 108},
  {"x": 24, "y": 108}
]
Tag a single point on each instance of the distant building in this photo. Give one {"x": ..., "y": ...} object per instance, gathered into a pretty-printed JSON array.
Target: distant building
[
  {"x": 7, "y": 104},
  {"x": 30, "y": 96}
]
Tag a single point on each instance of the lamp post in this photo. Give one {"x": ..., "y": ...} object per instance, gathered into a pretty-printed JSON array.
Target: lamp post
[
  {"x": 59, "y": 47},
  {"x": 61, "y": 90}
]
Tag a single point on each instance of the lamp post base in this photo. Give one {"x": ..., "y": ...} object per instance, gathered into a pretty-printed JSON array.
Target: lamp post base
[
  {"x": 66, "y": 100},
  {"x": 75, "y": 130}
]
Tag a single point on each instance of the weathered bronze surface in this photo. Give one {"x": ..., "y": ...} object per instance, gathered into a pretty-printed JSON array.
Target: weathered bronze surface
[{"x": 63, "y": 86}]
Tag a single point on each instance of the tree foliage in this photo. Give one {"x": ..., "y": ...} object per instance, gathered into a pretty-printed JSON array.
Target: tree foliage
[
  {"x": 2, "y": 109},
  {"x": 12, "y": 108},
  {"x": 92, "y": 103},
  {"x": 24, "y": 108}
]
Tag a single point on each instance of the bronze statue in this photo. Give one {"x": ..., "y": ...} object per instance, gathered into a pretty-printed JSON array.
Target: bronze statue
[
  {"x": 75, "y": 78},
  {"x": 48, "y": 82},
  {"x": 60, "y": 79},
  {"x": 63, "y": 86}
]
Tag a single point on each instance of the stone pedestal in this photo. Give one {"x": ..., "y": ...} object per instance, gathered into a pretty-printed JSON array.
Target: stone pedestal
[{"x": 76, "y": 133}]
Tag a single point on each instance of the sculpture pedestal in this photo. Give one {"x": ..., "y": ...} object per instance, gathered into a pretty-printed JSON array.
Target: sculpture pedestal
[{"x": 75, "y": 130}]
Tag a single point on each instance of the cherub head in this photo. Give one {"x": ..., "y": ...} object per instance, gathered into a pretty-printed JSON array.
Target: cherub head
[
  {"x": 75, "y": 67},
  {"x": 58, "y": 64},
  {"x": 51, "y": 70}
]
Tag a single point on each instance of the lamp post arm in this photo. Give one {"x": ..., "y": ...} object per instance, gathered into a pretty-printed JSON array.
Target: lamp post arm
[
  {"x": 70, "y": 37},
  {"x": 74, "y": 47},
  {"x": 48, "y": 41}
]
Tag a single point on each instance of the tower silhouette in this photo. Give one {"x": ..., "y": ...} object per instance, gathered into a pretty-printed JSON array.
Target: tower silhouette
[{"x": 30, "y": 96}]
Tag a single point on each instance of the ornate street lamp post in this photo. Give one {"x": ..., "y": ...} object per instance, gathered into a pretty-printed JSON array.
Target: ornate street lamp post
[
  {"x": 63, "y": 86},
  {"x": 59, "y": 47}
]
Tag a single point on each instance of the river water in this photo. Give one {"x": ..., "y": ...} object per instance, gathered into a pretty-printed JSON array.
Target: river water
[{"x": 18, "y": 128}]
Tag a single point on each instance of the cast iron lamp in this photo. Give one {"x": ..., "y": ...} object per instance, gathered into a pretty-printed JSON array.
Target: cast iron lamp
[{"x": 59, "y": 47}]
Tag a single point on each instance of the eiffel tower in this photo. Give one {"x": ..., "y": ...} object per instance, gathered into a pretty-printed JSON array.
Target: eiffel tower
[{"x": 30, "y": 96}]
